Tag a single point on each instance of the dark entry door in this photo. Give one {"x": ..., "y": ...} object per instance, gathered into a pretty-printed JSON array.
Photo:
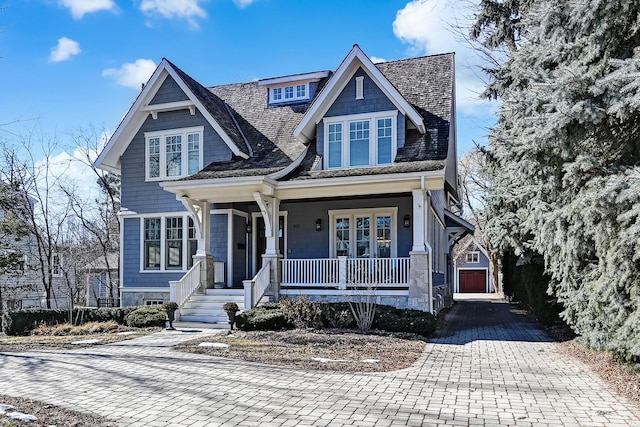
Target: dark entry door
[{"x": 261, "y": 240}]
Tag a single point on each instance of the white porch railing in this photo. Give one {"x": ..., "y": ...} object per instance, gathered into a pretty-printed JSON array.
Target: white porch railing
[
  {"x": 343, "y": 272},
  {"x": 182, "y": 289},
  {"x": 255, "y": 288}
]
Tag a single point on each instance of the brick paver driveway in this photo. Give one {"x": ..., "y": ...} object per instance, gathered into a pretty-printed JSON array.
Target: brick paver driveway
[{"x": 489, "y": 366}]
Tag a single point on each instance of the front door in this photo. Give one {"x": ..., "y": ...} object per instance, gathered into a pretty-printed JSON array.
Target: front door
[{"x": 261, "y": 241}]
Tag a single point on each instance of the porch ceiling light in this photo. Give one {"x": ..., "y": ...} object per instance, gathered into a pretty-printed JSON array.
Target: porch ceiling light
[
  {"x": 319, "y": 224},
  {"x": 407, "y": 221}
]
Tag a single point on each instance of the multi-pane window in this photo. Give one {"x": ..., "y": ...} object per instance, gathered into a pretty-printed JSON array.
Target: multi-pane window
[
  {"x": 473, "y": 257},
  {"x": 152, "y": 233},
  {"x": 342, "y": 231},
  {"x": 359, "y": 143},
  {"x": 175, "y": 153},
  {"x": 363, "y": 233},
  {"x": 169, "y": 243},
  {"x": 173, "y": 231},
  {"x": 383, "y": 236},
  {"x": 173, "y": 150},
  {"x": 334, "y": 138},
  {"x": 360, "y": 140},
  {"x": 154, "y": 157},
  {"x": 289, "y": 93},
  {"x": 384, "y": 141}
]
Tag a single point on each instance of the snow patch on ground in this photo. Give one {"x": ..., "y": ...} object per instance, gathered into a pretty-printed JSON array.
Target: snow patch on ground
[
  {"x": 127, "y": 333},
  {"x": 10, "y": 411},
  {"x": 213, "y": 344},
  {"x": 325, "y": 360}
]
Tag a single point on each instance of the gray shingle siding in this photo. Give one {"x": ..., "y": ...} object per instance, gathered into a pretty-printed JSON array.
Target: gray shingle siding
[
  {"x": 374, "y": 99},
  {"x": 140, "y": 196},
  {"x": 169, "y": 92},
  {"x": 438, "y": 279}
]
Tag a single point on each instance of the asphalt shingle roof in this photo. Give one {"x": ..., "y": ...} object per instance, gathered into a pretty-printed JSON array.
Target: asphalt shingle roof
[{"x": 425, "y": 82}]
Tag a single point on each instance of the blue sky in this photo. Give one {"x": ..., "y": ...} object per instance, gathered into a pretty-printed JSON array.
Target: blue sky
[{"x": 70, "y": 64}]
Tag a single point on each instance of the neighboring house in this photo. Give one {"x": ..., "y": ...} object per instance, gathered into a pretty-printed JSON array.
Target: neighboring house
[
  {"x": 474, "y": 272},
  {"x": 328, "y": 184},
  {"x": 101, "y": 277}
]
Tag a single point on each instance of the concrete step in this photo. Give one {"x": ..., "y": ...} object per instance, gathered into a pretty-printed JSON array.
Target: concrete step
[
  {"x": 225, "y": 291},
  {"x": 209, "y": 305},
  {"x": 218, "y": 298},
  {"x": 204, "y": 318}
]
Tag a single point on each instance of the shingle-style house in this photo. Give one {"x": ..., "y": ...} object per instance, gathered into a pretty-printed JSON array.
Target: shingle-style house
[{"x": 326, "y": 184}]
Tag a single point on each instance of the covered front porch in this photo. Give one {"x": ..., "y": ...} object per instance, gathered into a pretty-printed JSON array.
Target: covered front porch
[{"x": 329, "y": 243}]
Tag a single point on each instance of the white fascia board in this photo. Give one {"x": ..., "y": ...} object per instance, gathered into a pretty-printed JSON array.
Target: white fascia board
[
  {"x": 364, "y": 179},
  {"x": 227, "y": 140},
  {"x": 315, "y": 76},
  {"x": 305, "y": 131},
  {"x": 109, "y": 158}
]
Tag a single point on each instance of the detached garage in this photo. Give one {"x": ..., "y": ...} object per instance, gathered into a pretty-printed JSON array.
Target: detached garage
[{"x": 472, "y": 268}]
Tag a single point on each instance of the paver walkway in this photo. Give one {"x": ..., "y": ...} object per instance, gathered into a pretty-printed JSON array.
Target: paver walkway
[{"x": 489, "y": 366}]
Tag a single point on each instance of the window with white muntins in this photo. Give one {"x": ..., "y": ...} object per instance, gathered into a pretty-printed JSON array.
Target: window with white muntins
[
  {"x": 360, "y": 140},
  {"x": 173, "y": 153},
  {"x": 288, "y": 93},
  {"x": 473, "y": 257},
  {"x": 169, "y": 243}
]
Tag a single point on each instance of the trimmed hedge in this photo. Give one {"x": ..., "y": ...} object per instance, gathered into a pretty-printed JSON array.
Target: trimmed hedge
[
  {"x": 24, "y": 321},
  {"x": 270, "y": 317},
  {"x": 267, "y": 317},
  {"x": 146, "y": 316}
]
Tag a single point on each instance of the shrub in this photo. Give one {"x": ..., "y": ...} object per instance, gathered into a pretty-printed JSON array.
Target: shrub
[
  {"x": 302, "y": 313},
  {"x": 68, "y": 329},
  {"x": 267, "y": 317},
  {"x": 230, "y": 306},
  {"x": 393, "y": 319},
  {"x": 146, "y": 316},
  {"x": 338, "y": 315},
  {"x": 24, "y": 321},
  {"x": 170, "y": 305}
]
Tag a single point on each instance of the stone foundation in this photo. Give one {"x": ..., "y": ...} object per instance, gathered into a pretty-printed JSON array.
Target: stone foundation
[{"x": 139, "y": 298}]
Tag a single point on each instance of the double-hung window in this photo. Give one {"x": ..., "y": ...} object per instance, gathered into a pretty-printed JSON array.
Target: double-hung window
[
  {"x": 360, "y": 140},
  {"x": 169, "y": 243},
  {"x": 173, "y": 153}
]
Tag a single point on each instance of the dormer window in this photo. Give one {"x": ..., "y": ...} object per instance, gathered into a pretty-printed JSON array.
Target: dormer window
[
  {"x": 360, "y": 140},
  {"x": 289, "y": 93}
]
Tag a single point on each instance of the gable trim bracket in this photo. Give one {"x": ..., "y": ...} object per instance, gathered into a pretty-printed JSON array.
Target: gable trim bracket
[{"x": 305, "y": 131}]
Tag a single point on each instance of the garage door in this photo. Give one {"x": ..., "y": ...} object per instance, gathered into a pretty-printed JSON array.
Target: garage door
[{"x": 473, "y": 281}]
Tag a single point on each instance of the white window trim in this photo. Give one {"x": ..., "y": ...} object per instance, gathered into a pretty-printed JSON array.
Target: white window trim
[
  {"x": 183, "y": 132},
  {"x": 295, "y": 97},
  {"x": 55, "y": 265},
  {"x": 477, "y": 255},
  {"x": 373, "y": 212},
  {"x": 163, "y": 242},
  {"x": 373, "y": 137}
]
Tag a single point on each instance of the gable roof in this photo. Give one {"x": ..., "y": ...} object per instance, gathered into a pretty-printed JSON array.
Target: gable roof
[
  {"x": 305, "y": 131},
  {"x": 211, "y": 107}
]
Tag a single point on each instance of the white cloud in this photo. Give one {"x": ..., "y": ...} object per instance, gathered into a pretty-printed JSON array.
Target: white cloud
[
  {"x": 429, "y": 27},
  {"x": 170, "y": 9},
  {"x": 377, "y": 60},
  {"x": 243, "y": 3},
  {"x": 64, "y": 50},
  {"x": 79, "y": 8},
  {"x": 132, "y": 74}
]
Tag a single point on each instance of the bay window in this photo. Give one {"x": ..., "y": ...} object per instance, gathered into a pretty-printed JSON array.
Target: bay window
[
  {"x": 173, "y": 153},
  {"x": 360, "y": 140}
]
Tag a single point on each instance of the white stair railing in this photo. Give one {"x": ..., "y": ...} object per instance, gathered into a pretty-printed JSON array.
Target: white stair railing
[
  {"x": 182, "y": 289},
  {"x": 255, "y": 288}
]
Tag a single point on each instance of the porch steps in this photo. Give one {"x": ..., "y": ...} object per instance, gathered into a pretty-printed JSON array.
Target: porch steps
[{"x": 207, "y": 307}]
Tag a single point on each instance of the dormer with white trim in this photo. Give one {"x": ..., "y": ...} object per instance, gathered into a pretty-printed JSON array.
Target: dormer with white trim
[
  {"x": 292, "y": 89},
  {"x": 359, "y": 118}
]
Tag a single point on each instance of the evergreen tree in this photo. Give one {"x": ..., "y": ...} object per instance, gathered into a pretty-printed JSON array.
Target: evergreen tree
[{"x": 565, "y": 180}]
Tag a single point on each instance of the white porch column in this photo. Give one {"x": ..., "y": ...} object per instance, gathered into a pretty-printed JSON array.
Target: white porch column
[
  {"x": 270, "y": 209},
  {"x": 200, "y": 211},
  {"x": 420, "y": 284}
]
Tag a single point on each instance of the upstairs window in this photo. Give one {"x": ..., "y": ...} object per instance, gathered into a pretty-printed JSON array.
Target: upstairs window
[
  {"x": 360, "y": 140},
  {"x": 173, "y": 153},
  {"x": 289, "y": 93},
  {"x": 473, "y": 257}
]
